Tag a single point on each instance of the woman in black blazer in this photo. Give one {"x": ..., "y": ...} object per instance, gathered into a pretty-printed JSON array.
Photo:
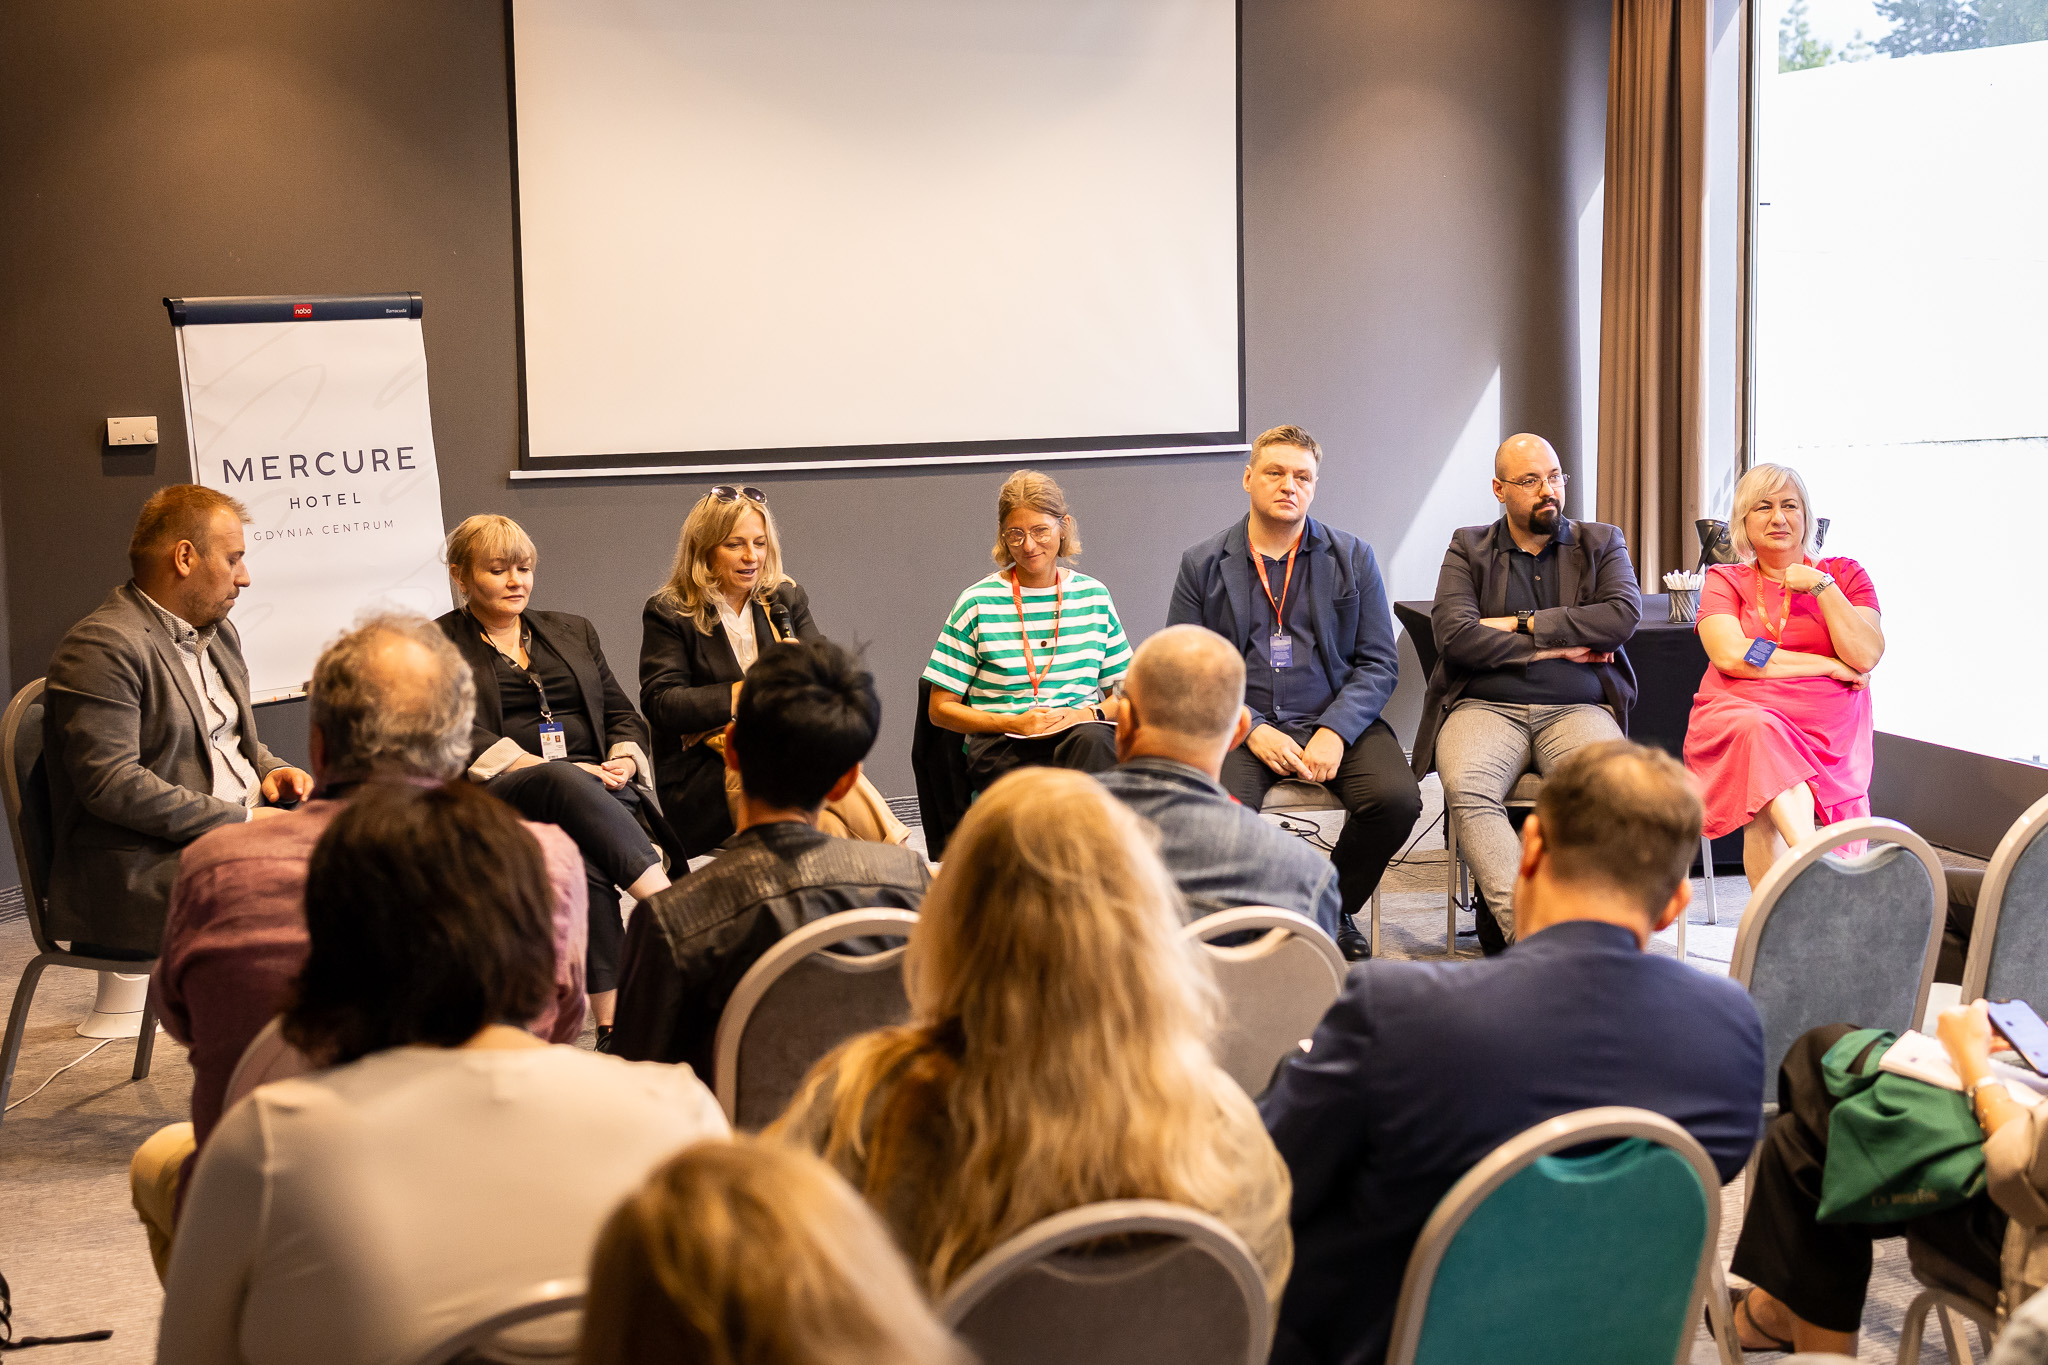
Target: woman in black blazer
[
  {"x": 555, "y": 735},
  {"x": 726, "y": 599}
]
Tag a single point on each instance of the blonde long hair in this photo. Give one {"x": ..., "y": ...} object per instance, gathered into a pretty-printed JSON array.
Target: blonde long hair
[
  {"x": 752, "y": 1253},
  {"x": 1059, "y": 1033},
  {"x": 690, "y": 583}
]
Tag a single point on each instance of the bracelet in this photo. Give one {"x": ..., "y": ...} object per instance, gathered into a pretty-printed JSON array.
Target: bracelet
[{"x": 1970, "y": 1091}]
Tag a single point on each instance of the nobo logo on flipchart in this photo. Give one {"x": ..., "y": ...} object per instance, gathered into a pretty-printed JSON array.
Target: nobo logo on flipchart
[{"x": 302, "y": 310}]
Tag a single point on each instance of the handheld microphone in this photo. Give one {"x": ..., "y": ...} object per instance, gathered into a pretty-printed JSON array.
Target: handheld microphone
[{"x": 783, "y": 624}]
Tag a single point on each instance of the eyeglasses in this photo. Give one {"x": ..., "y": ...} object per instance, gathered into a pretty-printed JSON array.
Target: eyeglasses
[
  {"x": 1037, "y": 535},
  {"x": 1529, "y": 483},
  {"x": 725, "y": 492}
]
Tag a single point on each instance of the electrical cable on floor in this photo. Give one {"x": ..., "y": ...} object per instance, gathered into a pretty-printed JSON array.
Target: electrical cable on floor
[
  {"x": 7, "y": 1338},
  {"x": 58, "y": 1072}
]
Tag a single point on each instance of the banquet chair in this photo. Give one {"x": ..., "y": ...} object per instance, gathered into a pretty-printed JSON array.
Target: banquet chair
[
  {"x": 1946, "y": 1305},
  {"x": 529, "y": 1309},
  {"x": 1295, "y": 796},
  {"x": 800, "y": 1000},
  {"x": 1275, "y": 988},
  {"x": 1521, "y": 1258},
  {"x": 2008, "y": 957},
  {"x": 1128, "y": 1280},
  {"x": 25, "y": 787}
]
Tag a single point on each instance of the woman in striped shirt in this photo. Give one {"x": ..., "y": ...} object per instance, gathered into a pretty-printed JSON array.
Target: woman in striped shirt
[{"x": 1028, "y": 654}]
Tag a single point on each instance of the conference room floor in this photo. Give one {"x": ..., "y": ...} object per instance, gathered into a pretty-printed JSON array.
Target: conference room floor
[{"x": 76, "y": 1258}]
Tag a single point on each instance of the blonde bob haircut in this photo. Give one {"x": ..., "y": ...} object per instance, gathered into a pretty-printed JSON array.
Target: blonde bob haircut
[
  {"x": 1058, "y": 1043},
  {"x": 750, "y": 1252},
  {"x": 1760, "y": 482},
  {"x": 483, "y": 538},
  {"x": 1029, "y": 488},
  {"x": 690, "y": 581}
]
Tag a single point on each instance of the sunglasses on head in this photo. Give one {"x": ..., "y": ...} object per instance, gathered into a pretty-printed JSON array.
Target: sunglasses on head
[{"x": 725, "y": 492}]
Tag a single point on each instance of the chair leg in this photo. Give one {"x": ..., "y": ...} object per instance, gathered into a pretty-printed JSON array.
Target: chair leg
[
  {"x": 17, "y": 1024},
  {"x": 1958, "y": 1343},
  {"x": 1707, "y": 871},
  {"x": 1375, "y": 940},
  {"x": 1915, "y": 1327},
  {"x": 1720, "y": 1320},
  {"x": 1683, "y": 916},
  {"x": 1451, "y": 870},
  {"x": 145, "y": 1041}
]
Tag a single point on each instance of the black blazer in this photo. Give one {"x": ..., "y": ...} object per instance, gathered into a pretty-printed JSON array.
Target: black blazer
[
  {"x": 686, "y": 680},
  {"x": 605, "y": 704}
]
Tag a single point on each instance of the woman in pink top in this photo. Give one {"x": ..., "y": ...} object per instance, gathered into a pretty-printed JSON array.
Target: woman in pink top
[{"x": 1780, "y": 736}]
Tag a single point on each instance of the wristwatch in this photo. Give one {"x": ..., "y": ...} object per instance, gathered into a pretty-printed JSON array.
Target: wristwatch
[
  {"x": 1522, "y": 620},
  {"x": 1970, "y": 1093},
  {"x": 1827, "y": 580},
  {"x": 1098, "y": 712}
]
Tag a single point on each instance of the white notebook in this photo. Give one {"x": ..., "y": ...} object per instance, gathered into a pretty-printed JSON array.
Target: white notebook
[{"x": 1921, "y": 1058}]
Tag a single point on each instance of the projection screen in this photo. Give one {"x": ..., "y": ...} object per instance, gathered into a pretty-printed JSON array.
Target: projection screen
[{"x": 806, "y": 231}]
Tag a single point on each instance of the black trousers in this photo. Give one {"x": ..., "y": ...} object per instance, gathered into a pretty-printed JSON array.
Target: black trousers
[
  {"x": 1821, "y": 1270},
  {"x": 615, "y": 849},
  {"x": 1087, "y": 748},
  {"x": 1381, "y": 804}
]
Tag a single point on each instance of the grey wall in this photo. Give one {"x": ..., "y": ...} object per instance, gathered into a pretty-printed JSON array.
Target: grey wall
[{"x": 1415, "y": 171}]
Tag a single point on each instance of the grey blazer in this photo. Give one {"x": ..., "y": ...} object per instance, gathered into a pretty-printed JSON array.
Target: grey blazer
[{"x": 130, "y": 771}]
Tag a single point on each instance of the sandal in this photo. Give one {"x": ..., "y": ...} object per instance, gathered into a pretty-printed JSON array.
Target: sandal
[{"x": 1738, "y": 1308}]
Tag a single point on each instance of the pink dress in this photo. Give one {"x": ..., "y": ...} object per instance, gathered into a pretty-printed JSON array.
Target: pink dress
[{"x": 1751, "y": 738}]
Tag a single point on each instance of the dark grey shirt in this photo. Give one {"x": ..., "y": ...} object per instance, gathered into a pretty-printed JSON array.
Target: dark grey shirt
[{"x": 1533, "y": 586}]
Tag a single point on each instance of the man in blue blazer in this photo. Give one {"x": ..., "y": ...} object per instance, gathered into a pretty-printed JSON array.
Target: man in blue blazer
[
  {"x": 1422, "y": 1068},
  {"x": 1305, "y": 604}
]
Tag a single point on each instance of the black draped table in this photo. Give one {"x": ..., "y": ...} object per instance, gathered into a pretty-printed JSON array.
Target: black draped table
[{"x": 1669, "y": 662}]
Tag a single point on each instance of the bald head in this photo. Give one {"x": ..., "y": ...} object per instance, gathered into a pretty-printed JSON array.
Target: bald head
[
  {"x": 1523, "y": 454},
  {"x": 392, "y": 696},
  {"x": 1188, "y": 683}
]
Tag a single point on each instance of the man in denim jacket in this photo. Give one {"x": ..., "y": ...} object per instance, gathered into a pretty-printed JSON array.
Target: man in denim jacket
[{"x": 1183, "y": 711}]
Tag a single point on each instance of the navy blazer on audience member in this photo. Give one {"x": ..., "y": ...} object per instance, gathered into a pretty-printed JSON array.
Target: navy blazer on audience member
[
  {"x": 1420, "y": 1069},
  {"x": 1354, "y": 625}
]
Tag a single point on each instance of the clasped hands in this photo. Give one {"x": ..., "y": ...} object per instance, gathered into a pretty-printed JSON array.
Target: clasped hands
[
  {"x": 1315, "y": 761},
  {"x": 1577, "y": 654},
  {"x": 613, "y": 772}
]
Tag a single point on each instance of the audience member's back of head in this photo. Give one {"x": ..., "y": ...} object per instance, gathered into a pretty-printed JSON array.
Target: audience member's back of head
[
  {"x": 807, "y": 714},
  {"x": 392, "y": 697},
  {"x": 753, "y": 1253},
  {"x": 1059, "y": 1031},
  {"x": 428, "y": 919},
  {"x": 1188, "y": 681},
  {"x": 1623, "y": 817}
]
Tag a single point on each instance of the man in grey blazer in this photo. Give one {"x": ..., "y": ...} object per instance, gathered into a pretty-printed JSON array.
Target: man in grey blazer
[
  {"x": 1531, "y": 613},
  {"x": 149, "y": 739}
]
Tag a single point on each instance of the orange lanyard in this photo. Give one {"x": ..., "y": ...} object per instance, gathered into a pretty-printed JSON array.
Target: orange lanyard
[
  {"x": 1259, "y": 563},
  {"x": 1763, "y": 617},
  {"x": 1059, "y": 597}
]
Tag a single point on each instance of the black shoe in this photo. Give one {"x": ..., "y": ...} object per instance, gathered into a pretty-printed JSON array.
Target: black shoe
[
  {"x": 1354, "y": 945},
  {"x": 1492, "y": 942},
  {"x": 604, "y": 1038}
]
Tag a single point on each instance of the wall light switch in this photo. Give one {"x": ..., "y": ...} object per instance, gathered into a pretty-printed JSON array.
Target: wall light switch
[{"x": 131, "y": 431}]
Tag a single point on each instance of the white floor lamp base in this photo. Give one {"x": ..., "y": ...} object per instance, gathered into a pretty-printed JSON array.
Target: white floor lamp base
[{"x": 117, "y": 1010}]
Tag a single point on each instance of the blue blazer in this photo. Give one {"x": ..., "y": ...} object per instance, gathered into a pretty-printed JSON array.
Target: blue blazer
[
  {"x": 1422, "y": 1068},
  {"x": 1354, "y": 625}
]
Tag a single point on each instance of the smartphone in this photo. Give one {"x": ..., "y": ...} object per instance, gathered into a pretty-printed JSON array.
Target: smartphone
[{"x": 2016, "y": 1020}]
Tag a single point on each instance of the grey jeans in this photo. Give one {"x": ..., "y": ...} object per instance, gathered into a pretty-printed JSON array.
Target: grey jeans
[{"x": 1482, "y": 751}]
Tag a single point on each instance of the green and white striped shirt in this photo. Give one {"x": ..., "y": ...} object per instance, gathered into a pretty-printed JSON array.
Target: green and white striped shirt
[{"x": 980, "y": 653}]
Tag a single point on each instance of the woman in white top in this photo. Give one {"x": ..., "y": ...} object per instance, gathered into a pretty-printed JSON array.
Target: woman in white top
[{"x": 449, "y": 1159}]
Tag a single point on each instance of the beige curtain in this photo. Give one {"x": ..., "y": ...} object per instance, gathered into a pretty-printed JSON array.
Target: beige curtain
[{"x": 1652, "y": 376}]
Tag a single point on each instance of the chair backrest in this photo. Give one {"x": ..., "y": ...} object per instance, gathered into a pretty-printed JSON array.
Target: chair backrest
[
  {"x": 547, "y": 1299},
  {"x": 1550, "y": 1259},
  {"x": 1842, "y": 940},
  {"x": 25, "y": 784},
  {"x": 799, "y": 1001},
  {"x": 2009, "y": 939},
  {"x": 1111, "y": 1283},
  {"x": 1276, "y": 988}
]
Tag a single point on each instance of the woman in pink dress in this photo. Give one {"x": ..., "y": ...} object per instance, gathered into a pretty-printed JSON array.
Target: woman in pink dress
[{"x": 1780, "y": 736}]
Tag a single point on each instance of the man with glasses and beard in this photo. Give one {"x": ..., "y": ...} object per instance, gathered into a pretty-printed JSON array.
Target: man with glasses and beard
[{"x": 1531, "y": 614}]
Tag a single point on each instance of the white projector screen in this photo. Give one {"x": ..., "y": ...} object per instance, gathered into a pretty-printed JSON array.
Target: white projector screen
[{"x": 780, "y": 230}]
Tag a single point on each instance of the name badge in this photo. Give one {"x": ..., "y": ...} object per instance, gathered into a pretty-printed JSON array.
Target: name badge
[
  {"x": 1760, "y": 652},
  {"x": 553, "y": 743},
  {"x": 1280, "y": 647}
]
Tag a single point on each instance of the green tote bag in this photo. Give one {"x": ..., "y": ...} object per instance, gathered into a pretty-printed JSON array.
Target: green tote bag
[{"x": 1897, "y": 1147}]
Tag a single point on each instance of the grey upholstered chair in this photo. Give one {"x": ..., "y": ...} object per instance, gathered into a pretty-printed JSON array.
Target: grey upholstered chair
[
  {"x": 1276, "y": 988},
  {"x": 536, "y": 1324},
  {"x": 799, "y": 1001},
  {"x": 1947, "y": 1305},
  {"x": 1832, "y": 940},
  {"x": 2009, "y": 940},
  {"x": 26, "y": 790},
  {"x": 1175, "y": 1287}
]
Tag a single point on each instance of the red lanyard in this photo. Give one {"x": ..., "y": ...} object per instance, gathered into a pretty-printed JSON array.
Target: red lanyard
[
  {"x": 1763, "y": 618},
  {"x": 1259, "y": 563},
  {"x": 1059, "y": 597}
]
